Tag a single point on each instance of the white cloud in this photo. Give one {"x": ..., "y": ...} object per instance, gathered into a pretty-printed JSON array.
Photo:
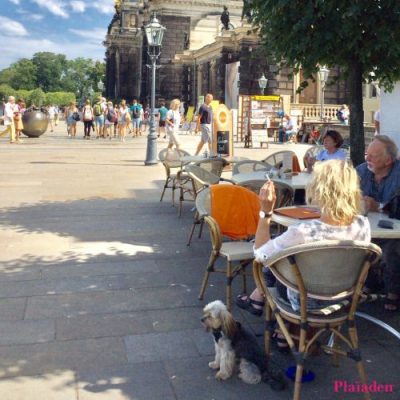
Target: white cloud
[
  {"x": 56, "y": 7},
  {"x": 78, "y": 6},
  {"x": 36, "y": 17},
  {"x": 96, "y": 35},
  {"x": 11, "y": 48},
  {"x": 105, "y": 6},
  {"x": 17, "y": 2},
  {"x": 11, "y": 27}
]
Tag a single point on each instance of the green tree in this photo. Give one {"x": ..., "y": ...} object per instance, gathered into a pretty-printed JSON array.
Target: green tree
[
  {"x": 36, "y": 97},
  {"x": 25, "y": 74},
  {"x": 7, "y": 76},
  {"x": 50, "y": 70},
  {"x": 60, "y": 98},
  {"x": 361, "y": 36},
  {"x": 5, "y": 91}
]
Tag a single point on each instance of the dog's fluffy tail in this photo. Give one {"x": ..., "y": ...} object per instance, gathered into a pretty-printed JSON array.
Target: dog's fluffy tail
[{"x": 275, "y": 379}]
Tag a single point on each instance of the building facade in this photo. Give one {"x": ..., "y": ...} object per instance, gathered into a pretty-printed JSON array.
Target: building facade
[{"x": 198, "y": 55}]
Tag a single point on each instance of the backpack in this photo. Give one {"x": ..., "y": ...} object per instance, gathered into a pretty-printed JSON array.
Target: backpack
[
  {"x": 87, "y": 114},
  {"x": 111, "y": 116},
  {"x": 75, "y": 116},
  {"x": 136, "y": 112},
  {"x": 97, "y": 110}
]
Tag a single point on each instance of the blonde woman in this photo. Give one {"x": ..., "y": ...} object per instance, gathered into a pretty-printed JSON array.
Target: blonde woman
[
  {"x": 172, "y": 123},
  {"x": 72, "y": 117},
  {"x": 124, "y": 120},
  {"x": 336, "y": 191},
  {"x": 88, "y": 116}
]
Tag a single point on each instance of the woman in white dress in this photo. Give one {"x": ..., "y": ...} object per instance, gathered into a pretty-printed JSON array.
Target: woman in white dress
[{"x": 172, "y": 123}]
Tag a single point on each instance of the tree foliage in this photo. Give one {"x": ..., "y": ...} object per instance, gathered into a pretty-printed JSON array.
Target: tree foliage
[
  {"x": 36, "y": 97},
  {"x": 54, "y": 73},
  {"x": 361, "y": 36}
]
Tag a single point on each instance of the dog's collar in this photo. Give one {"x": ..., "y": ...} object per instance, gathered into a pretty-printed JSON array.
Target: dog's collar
[{"x": 217, "y": 333}]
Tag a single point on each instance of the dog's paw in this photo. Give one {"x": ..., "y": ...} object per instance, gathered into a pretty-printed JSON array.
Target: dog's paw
[
  {"x": 221, "y": 376},
  {"x": 213, "y": 365}
]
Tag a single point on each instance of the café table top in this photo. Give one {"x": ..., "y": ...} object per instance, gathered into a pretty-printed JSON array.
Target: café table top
[
  {"x": 373, "y": 217},
  {"x": 299, "y": 181}
]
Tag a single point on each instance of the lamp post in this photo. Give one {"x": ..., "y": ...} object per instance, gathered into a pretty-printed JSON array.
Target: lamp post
[
  {"x": 262, "y": 82},
  {"x": 323, "y": 75},
  {"x": 154, "y": 34},
  {"x": 100, "y": 86}
]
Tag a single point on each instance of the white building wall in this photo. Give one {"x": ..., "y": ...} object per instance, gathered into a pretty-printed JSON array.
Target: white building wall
[{"x": 390, "y": 114}]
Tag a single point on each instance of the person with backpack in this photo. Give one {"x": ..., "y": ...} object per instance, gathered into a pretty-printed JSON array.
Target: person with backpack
[
  {"x": 136, "y": 111},
  {"x": 110, "y": 120},
  {"x": 72, "y": 117},
  {"x": 98, "y": 111},
  {"x": 87, "y": 114}
]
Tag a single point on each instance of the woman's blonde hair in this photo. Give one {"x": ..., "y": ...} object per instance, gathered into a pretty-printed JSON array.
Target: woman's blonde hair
[
  {"x": 335, "y": 188},
  {"x": 174, "y": 105}
]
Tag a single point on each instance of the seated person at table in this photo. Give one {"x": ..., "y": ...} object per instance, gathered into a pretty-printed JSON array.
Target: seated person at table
[
  {"x": 380, "y": 179},
  {"x": 332, "y": 151},
  {"x": 289, "y": 131},
  {"x": 335, "y": 190}
]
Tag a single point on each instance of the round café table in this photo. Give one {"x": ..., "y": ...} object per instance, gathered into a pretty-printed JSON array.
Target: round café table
[
  {"x": 299, "y": 181},
  {"x": 373, "y": 217}
]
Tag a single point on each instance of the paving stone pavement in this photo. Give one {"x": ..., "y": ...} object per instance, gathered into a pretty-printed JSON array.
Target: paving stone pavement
[{"x": 98, "y": 290}]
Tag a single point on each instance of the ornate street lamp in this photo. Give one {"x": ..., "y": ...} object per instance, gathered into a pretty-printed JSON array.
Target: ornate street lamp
[
  {"x": 100, "y": 86},
  {"x": 154, "y": 34},
  {"x": 262, "y": 82},
  {"x": 323, "y": 75},
  {"x": 91, "y": 93}
]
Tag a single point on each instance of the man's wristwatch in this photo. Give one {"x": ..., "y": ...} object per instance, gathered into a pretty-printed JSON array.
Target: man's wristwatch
[{"x": 263, "y": 214}]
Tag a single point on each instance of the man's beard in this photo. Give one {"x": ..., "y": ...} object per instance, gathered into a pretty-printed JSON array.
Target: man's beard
[{"x": 371, "y": 169}]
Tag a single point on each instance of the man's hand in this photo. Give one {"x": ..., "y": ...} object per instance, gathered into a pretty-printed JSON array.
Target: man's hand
[{"x": 370, "y": 204}]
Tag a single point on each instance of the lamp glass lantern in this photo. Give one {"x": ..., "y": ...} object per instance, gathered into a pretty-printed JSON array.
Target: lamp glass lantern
[
  {"x": 154, "y": 32},
  {"x": 100, "y": 85},
  {"x": 262, "y": 82},
  {"x": 323, "y": 74}
]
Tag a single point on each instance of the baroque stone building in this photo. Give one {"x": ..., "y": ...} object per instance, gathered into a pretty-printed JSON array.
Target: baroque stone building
[{"x": 198, "y": 55}]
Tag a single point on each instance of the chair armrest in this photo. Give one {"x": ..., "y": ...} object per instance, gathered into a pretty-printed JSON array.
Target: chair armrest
[{"x": 215, "y": 233}]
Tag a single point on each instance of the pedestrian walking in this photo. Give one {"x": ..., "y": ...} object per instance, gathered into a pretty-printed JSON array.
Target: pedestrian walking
[
  {"x": 173, "y": 121},
  {"x": 162, "y": 112},
  {"x": 9, "y": 110},
  {"x": 124, "y": 118},
  {"x": 87, "y": 114},
  {"x": 204, "y": 124},
  {"x": 136, "y": 111},
  {"x": 72, "y": 117}
]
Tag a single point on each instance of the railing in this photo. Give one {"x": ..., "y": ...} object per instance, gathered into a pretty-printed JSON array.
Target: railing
[{"x": 312, "y": 112}]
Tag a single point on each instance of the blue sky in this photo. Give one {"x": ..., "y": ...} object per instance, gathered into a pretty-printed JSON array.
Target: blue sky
[{"x": 75, "y": 28}]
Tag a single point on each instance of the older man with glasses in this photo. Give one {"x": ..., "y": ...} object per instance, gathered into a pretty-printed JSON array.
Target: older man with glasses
[{"x": 380, "y": 181}]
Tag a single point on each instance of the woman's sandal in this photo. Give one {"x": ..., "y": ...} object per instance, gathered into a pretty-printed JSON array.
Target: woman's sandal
[
  {"x": 281, "y": 343},
  {"x": 246, "y": 303}
]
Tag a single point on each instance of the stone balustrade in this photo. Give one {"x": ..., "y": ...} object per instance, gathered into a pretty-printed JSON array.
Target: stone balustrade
[{"x": 312, "y": 112}]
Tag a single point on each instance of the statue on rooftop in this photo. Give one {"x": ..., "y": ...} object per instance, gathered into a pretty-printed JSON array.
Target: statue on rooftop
[
  {"x": 225, "y": 18},
  {"x": 116, "y": 17}
]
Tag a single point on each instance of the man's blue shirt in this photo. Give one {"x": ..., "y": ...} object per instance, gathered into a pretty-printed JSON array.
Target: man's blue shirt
[{"x": 384, "y": 191}]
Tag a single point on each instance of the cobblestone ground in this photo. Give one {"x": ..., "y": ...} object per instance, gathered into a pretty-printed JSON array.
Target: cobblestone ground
[{"x": 98, "y": 290}]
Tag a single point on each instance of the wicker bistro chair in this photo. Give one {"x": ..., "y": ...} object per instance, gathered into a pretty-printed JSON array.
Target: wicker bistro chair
[
  {"x": 191, "y": 180},
  {"x": 276, "y": 160},
  {"x": 171, "y": 162},
  {"x": 238, "y": 252},
  {"x": 326, "y": 270},
  {"x": 247, "y": 166}
]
